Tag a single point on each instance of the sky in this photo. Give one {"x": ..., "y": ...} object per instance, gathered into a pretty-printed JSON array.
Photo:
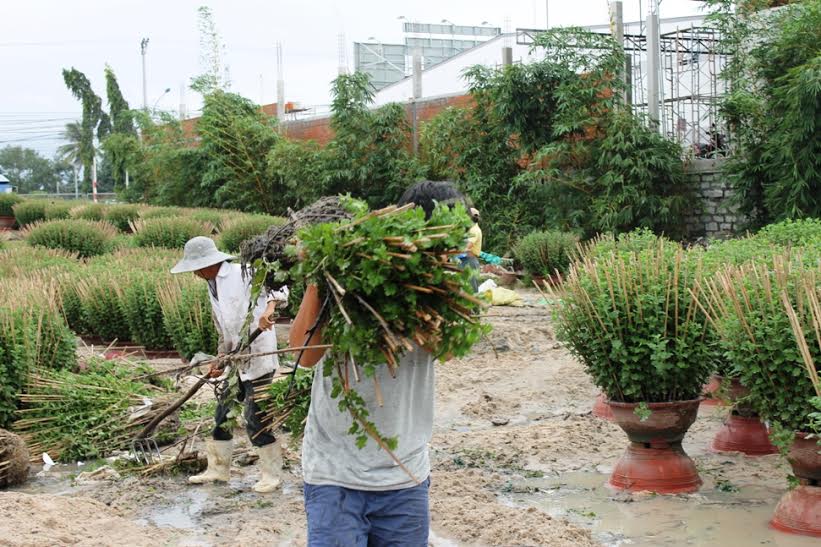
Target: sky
[{"x": 38, "y": 38}]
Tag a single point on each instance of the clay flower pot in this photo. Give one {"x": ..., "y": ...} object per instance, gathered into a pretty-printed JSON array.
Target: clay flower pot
[
  {"x": 655, "y": 460},
  {"x": 7, "y": 223},
  {"x": 601, "y": 408},
  {"x": 799, "y": 511},
  {"x": 743, "y": 431}
]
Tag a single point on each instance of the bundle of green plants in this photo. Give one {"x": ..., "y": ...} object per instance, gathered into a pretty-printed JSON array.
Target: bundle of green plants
[
  {"x": 634, "y": 322},
  {"x": 91, "y": 211},
  {"x": 186, "y": 310},
  {"x": 84, "y": 237},
  {"x": 792, "y": 233},
  {"x": 22, "y": 260},
  {"x": 171, "y": 233},
  {"x": 30, "y": 211},
  {"x": 285, "y": 404},
  {"x": 101, "y": 304},
  {"x": 751, "y": 308},
  {"x": 390, "y": 287},
  {"x": 7, "y": 203},
  {"x": 144, "y": 259},
  {"x": 627, "y": 243},
  {"x": 121, "y": 216},
  {"x": 142, "y": 311},
  {"x": 85, "y": 415},
  {"x": 545, "y": 253},
  {"x": 71, "y": 304},
  {"x": 242, "y": 228},
  {"x": 33, "y": 334}
]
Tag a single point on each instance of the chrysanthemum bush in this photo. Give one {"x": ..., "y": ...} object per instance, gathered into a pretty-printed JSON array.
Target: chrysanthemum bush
[
  {"x": 186, "y": 311},
  {"x": 244, "y": 227},
  {"x": 633, "y": 321},
  {"x": 121, "y": 216},
  {"x": 545, "y": 253},
  {"x": 171, "y": 233},
  {"x": 7, "y": 202},
  {"x": 749, "y": 307},
  {"x": 30, "y": 211},
  {"x": 84, "y": 237}
]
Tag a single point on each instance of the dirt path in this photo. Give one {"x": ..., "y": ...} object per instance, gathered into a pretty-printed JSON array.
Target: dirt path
[{"x": 517, "y": 457}]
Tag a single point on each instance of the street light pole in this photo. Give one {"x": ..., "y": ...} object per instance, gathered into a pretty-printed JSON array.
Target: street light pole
[{"x": 143, "y": 48}]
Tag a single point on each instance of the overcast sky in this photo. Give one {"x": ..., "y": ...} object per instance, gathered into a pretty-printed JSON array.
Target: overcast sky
[{"x": 40, "y": 37}]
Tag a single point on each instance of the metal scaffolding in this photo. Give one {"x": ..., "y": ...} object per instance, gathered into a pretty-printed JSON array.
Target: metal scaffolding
[{"x": 691, "y": 87}]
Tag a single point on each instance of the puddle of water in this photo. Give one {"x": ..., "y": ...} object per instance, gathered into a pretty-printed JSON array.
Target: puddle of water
[{"x": 709, "y": 518}]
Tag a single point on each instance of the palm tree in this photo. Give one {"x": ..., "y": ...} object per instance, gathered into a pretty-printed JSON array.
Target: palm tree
[{"x": 72, "y": 150}]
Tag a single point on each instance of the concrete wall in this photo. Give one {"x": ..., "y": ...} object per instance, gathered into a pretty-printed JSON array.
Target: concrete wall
[{"x": 715, "y": 217}]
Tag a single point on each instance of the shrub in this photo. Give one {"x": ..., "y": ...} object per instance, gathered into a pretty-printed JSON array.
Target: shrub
[
  {"x": 135, "y": 259},
  {"x": 23, "y": 260},
  {"x": 161, "y": 212},
  {"x": 92, "y": 211},
  {"x": 792, "y": 233},
  {"x": 747, "y": 306},
  {"x": 171, "y": 233},
  {"x": 628, "y": 243},
  {"x": 103, "y": 315},
  {"x": 30, "y": 211},
  {"x": 636, "y": 326},
  {"x": 142, "y": 311},
  {"x": 7, "y": 203},
  {"x": 186, "y": 312},
  {"x": 214, "y": 217},
  {"x": 544, "y": 253},
  {"x": 58, "y": 210},
  {"x": 33, "y": 334},
  {"x": 84, "y": 237},
  {"x": 239, "y": 229},
  {"x": 121, "y": 216}
]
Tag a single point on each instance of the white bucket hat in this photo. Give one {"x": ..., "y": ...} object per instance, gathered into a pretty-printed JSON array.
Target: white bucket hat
[{"x": 199, "y": 252}]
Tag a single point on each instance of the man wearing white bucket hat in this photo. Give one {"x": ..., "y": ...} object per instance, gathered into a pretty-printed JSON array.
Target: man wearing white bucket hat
[{"x": 230, "y": 293}]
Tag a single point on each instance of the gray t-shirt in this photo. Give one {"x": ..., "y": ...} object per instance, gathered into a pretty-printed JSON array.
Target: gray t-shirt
[{"x": 329, "y": 452}]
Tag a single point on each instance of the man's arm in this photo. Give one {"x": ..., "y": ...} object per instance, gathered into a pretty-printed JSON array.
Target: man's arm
[{"x": 304, "y": 320}]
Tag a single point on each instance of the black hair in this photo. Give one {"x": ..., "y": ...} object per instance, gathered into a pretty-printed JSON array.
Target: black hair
[{"x": 427, "y": 193}]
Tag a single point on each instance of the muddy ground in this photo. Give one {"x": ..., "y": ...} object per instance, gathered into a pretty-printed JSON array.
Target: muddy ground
[{"x": 518, "y": 460}]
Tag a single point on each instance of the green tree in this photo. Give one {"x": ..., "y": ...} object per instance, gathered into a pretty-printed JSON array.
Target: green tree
[
  {"x": 31, "y": 172},
  {"x": 94, "y": 119},
  {"x": 121, "y": 147},
  {"x": 369, "y": 156}
]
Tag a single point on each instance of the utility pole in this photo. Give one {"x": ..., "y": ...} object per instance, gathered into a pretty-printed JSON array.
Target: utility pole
[
  {"x": 547, "y": 14},
  {"x": 417, "y": 94},
  {"x": 280, "y": 90},
  {"x": 94, "y": 179},
  {"x": 143, "y": 48},
  {"x": 76, "y": 184},
  {"x": 182, "y": 101},
  {"x": 617, "y": 32},
  {"x": 653, "y": 65},
  {"x": 342, "y": 67}
]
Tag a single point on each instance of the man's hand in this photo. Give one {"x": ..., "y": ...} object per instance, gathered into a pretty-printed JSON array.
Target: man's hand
[
  {"x": 266, "y": 320},
  {"x": 215, "y": 371}
]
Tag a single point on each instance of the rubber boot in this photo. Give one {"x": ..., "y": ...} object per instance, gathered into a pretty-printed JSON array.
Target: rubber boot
[
  {"x": 219, "y": 462},
  {"x": 270, "y": 468}
]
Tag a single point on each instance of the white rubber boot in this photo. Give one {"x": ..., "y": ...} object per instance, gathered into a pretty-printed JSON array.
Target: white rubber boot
[
  {"x": 270, "y": 468},
  {"x": 219, "y": 462}
]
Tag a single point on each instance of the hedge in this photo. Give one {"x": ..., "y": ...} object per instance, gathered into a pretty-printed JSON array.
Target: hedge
[
  {"x": 7, "y": 202},
  {"x": 30, "y": 211}
]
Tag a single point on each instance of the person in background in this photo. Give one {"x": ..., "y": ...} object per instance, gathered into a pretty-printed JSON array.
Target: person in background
[
  {"x": 361, "y": 497},
  {"x": 470, "y": 260},
  {"x": 230, "y": 294}
]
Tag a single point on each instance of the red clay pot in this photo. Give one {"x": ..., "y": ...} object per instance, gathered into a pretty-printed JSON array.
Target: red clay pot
[
  {"x": 799, "y": 511},
  {"x": 655, "y": 460},
  {"x": 743, "y": 431},
  {"x": 747, "y": 435},
  {"x": 601, "y": 408},
  {"x": 7, "y": 223}
]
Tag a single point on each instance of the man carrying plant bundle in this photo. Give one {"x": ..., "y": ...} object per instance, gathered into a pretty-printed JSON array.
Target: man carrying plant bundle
[
  {"x": 365, "y": 492},
  {"x": 230, "y": 294}
]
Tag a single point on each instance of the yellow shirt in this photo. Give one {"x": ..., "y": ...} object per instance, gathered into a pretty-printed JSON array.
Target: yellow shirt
[{"x": 474, "y": 246}]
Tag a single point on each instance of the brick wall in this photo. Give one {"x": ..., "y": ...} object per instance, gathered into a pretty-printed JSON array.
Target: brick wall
[{"x": 715, "y": 217}]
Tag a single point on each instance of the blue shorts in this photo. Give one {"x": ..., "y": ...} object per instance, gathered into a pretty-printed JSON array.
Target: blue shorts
[{"x": 340, "y": 516}]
